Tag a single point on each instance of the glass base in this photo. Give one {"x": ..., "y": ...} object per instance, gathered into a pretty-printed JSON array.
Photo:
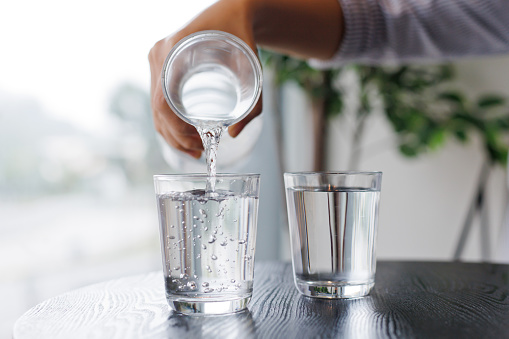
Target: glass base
[
  {"x": 331, "y": 290},
  {"x": 209, "y": 307}
]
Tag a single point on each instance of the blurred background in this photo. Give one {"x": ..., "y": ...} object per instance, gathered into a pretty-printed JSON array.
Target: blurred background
[{"x": 78, "y": 149}]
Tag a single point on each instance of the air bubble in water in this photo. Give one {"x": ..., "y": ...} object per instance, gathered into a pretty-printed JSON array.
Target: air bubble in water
[{"x": 191, "y": 285}]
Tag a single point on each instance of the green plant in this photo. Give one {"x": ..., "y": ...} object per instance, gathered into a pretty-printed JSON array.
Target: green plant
[{"x": 419, "y": 102}]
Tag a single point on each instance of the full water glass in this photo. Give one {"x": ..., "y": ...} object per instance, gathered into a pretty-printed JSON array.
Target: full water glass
[
  {"x": 212, "y": 78},
  {"x": 333, "y": 220},
  {"x": 208, "y": 240}
]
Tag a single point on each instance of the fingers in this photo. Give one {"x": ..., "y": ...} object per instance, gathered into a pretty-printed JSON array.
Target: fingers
[
  {"x": 178, "y": 134},
  {"x": 235, "y": 130},
  {"x": 174, "y": 130}
]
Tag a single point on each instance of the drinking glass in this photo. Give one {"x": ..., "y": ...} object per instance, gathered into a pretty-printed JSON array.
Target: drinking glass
[
  {"x": 208, "y": 240},
  {"x": 333, "y": 220},
  {"x": 212, "y": 78}
]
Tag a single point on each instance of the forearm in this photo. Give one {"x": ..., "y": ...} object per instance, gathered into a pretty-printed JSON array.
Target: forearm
[{"x": 309, "y": 29}]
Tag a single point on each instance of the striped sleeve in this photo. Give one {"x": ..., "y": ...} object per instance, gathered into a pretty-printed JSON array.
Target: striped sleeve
[{"x": 399, "y": 31}]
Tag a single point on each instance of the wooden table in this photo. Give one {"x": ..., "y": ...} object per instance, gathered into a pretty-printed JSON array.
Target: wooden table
[{"x": 410, "y": 300}]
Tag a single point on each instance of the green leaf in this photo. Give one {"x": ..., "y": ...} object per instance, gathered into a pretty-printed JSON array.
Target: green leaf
[
  {"x": 502, "y": 123},
  {"x": 408, "y": 150},
  {"x": 488, "y": 101},
  {"x": 461, "y": 135},
  {"x": 335, "y": 106},
  {"x": 436, "y": 139},
  {"x": 453, "y": 97}
]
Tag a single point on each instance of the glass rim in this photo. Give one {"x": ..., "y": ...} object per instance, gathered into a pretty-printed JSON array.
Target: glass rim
[
  {"x": 314, "y": 173},
  {"x": 211, "y": 35},
  {"x": 205, "y": 176}
]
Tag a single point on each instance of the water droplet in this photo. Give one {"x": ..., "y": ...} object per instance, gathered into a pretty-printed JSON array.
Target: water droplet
[
  {"x": 205, "y": 284},
  {"x": 213, "y": 257},
  {"x": 181, "y": 210},
  {"x": 206, "y": 228},
  {"x": 198, "y": 256},
  {"x": 208, "y": 290},
  {"x": 198, "y": 236},
  {"x": 195, "y": 276},
  {"x": 191, "y": 285},
  {"x": 219, "y": 289},
  {"x": 212, "y": 238},
  {"x": 171, "y": 237},
  {"x": 208, "y": 269},
  {"x": 176, "y": 268},
  {"x": 204, "y": 246},
  {"x": 203, "y": 213},
  {"x": 243, "y": 241},
  {"x": 224, "y": 242},
  {"x": 172, "y": 226}
]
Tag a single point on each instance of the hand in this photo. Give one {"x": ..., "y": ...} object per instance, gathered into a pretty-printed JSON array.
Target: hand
[
  {"x": 175, "y": 131},
  {"x": 303, "y": 28}
]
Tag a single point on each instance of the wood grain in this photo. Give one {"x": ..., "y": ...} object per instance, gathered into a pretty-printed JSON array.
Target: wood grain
[{"x": 410, "y": 300}]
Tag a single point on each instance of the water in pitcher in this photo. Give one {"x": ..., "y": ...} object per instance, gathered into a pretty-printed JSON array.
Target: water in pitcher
[
  {"x": 210, "y": 98},
  {"x": 335, "y": 231}
]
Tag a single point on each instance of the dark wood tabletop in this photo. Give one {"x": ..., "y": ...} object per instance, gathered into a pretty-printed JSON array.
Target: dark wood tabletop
[{"x": 410, "y": 300}]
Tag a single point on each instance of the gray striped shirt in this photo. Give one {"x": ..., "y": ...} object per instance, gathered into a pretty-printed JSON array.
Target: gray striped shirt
[{"x": 398, "y": 31}]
